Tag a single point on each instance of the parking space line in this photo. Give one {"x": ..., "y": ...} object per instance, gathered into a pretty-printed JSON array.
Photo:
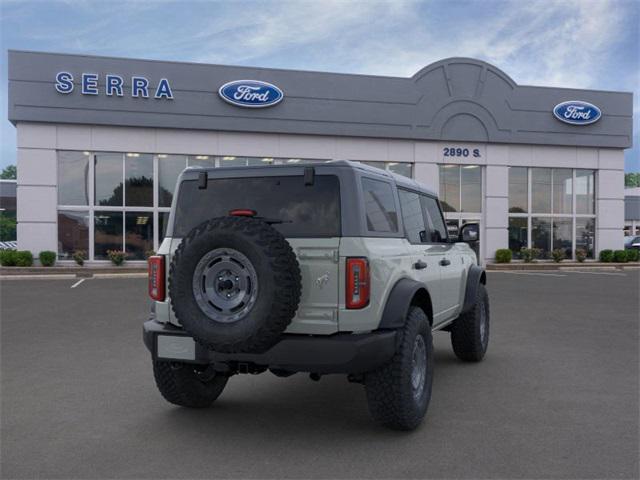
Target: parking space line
[
  {"x": 78, "y": 283},
  {"x": 598, "y": 273},
  {"x": 532, "y": 273}
]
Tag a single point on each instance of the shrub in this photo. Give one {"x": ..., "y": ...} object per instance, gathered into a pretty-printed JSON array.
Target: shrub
[
  {"x": 503, "y": 255},
  {"x": 558, "y": 255},
  {"x": 620, "y": 256},
  {"x": 24, "y": 258},
  {"x": 581, "y": 254},
  {"x": 8, "y": 258},
  {"x": 606, "y": 255},
  {"x": 117, "y": 257},
  {"x": 47, "y": 258},
  {"x": 80, "y": 256},
  {"x": 526, "y": 254},
  {"x": 633, "y": 255},
  {"x": 149, "y": 253}
]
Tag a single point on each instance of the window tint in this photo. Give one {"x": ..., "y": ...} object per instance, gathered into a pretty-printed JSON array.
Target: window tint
[
  {"x": 412, "y": 216},
  {"x": 380, "y": 207},
  {"x": 304, "y": 210},
  {"x": 437, "y": 228},
  {"x": 73, "y": 178}
]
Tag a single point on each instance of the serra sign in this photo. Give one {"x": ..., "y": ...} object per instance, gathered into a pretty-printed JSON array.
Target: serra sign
[{"x": 113, "y": 85}]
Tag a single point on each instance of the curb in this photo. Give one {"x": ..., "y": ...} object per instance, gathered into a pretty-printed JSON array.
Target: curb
[
  {"x": 67, "y": 276},
  {"x": 79, "y": 272},
  {"x": 561, "y": 266}
]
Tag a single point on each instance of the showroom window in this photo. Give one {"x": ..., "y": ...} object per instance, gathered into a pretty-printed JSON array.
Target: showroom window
[
  {"x": 401, "y": 168},
  {"x": 461, "y": 194},
  {"x": 551, "y": 208},
  {"x": 121, "y": 200}
]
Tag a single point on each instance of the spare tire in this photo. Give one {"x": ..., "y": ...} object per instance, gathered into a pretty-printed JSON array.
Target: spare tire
[{"x": 235, "y": 284}]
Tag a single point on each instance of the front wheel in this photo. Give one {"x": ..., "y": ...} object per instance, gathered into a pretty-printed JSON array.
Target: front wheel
[
  {"x": 470, "y": 331},
  {"x": 187, "y": 385},
  {"x": 398, "y": 394}
]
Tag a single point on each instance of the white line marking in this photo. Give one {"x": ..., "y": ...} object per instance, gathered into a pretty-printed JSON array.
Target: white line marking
[
  {"x": 598, "y": 273},
  {"x": 78, "y": 283},
  {"x": 531, "y": 273}
]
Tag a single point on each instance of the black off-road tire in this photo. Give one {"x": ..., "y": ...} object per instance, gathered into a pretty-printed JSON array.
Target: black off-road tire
[
  {"x": 468, "y": 337},
  {"x": 390, "y": 394},
  {"x": 182, "y": 384},
  {"x": 279, "y": 284}
]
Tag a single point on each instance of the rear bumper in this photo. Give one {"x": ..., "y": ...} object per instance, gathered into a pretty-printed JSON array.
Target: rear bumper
[{"x": 339, "y": 353}]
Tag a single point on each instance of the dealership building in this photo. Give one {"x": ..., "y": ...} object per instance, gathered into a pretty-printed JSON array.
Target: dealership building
[{"x": 102, "y": 140}]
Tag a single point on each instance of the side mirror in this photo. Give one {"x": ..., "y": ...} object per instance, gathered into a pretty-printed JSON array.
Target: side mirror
[{"x": 469, "y": 233}]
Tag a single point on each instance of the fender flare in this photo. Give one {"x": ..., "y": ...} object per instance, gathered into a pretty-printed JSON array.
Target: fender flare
[
  {"x": 475, "y": 277},
  {"x": 400, "y": 299}
]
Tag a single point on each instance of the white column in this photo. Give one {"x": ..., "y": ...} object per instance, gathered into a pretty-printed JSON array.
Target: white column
[
  {"x": 610, "y": 200},
  {"x": 496, "y": 210},
  {"x": 37, "y": 188}
]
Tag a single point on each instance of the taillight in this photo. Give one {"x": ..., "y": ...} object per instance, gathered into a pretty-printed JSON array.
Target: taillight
[
  {"x": 156, "y": 277},
  {"x": 358, "y": 287}
]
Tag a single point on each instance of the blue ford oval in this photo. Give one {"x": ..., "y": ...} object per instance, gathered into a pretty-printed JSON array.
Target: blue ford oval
[
  {"x": 577, "y": 112},
  {"x": 250, "y": 93}
]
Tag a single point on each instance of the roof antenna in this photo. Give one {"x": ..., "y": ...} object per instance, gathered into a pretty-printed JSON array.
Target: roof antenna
[
  {"x": 309, "y": 175},
  {"x": 202, "y": 180}
]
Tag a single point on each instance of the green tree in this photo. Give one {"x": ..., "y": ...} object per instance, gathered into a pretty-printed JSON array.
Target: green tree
[
  {"x": 7, "y": 229},
  {"x": 9, "y": 173},
  {"x": 632, "y": 180}
]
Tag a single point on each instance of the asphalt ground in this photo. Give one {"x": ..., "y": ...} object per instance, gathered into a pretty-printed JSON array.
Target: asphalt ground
[{"x": 556, "y": 397}]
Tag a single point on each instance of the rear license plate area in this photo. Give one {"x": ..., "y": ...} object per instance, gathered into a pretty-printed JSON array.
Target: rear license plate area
[{"x": 174, "y": 347}]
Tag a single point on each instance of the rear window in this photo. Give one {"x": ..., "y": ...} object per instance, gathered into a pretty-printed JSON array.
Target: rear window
[{"x": 305, "y": 210}]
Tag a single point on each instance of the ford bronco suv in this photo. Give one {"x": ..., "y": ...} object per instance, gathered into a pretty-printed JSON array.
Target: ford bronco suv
[{"x": 323, "y": 268}]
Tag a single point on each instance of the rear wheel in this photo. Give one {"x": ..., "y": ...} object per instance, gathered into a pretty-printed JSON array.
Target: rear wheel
[
  {"x": 398, "y": 394},
  {"x": 470, "y": 332},
  {"x": 187, "y": 385}
]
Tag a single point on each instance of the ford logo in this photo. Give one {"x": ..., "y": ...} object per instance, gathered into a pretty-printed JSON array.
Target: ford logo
[
  {"x": 250, "y": 93},
  {"x": 577, "y": 112}
]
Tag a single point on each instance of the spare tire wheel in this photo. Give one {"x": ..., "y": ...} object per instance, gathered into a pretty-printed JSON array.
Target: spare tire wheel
[{"x": 235, "y": 284}]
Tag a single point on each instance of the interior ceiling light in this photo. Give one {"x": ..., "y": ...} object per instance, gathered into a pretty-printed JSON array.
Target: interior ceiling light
[
  {"x": 267, "y": 159},
  {"x": 202, "y": 157},
  {"x": 470, "y": 166},
  {"x": 228, "y": 158},
  {"x": 162, "y": 155},
  {"x": 293, "y": 160}
]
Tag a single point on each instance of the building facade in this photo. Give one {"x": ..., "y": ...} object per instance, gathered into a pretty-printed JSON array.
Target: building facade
[
  {"x": 632, "y": 211},
  {"x": 102, "y": 140}
]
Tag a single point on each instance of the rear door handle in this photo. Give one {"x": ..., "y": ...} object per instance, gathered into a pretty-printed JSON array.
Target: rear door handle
[
  {"x": 419, "y": 265},
  {"x": 444, "y": 262}
]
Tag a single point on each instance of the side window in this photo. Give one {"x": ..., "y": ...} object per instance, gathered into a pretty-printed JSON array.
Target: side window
[
  {"x": 437, "y": 227},
  {"x": 412, "y": 216},
  {"x": 380, "y": 207}
]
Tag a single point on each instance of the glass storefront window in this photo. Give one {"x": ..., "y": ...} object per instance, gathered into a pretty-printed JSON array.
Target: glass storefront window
[
  {"x": 541, "y": 190},
  {"x": 108, "y": 179},
  {"x": 107, "y": 233},
  {"x": 201, "y": 161},
  {"x": 450, "y": 188},
  {"x": 562, "y": 190},
  {"x": 73, "y": 233},
  {"x": 585, "y": 235},
  {"x": 138, "y": 234},
  {"x": 518, "y": 190},
  {"x": 163, "y": 221},
  {"x": 563, "y": 235},
  {"x": 541, "y": 235},
  {"x": 169, "y": 167},
  {"x": 73, "y": 178},
  {"x": 404, "y": 169},
  {"x": 517, "y": 235},
  {"x": 138, "y": 172},
  {"x": 231, "y": 161},
  {"x": 585, "y": 192},
  {"x": 471, "y": 188}
]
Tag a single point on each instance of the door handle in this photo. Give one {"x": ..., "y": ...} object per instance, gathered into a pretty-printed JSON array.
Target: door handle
[
  {"x": 444, "y": 262},
  {"x": 419, "y": 265}
]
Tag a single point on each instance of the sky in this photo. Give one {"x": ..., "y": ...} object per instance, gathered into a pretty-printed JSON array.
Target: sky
[{"x": 566, "y": 43}]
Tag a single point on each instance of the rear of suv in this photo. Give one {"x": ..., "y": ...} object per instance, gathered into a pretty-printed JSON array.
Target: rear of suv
[{"x": 325, "y": 268}]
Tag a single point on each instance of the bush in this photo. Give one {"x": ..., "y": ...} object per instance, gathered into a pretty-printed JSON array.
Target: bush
[
  {"x": 606, "y": 255},
  {"x": 558, "y": 255},
  {"x": 8, "y": 258},
  {"x": 117, "y": 257},
  {"x": 503, "y": 255},
  {"x": 526, "y": 254},
  {"x": 24, "y": 258},
  {"x": 633, "y": 255},
  {"x": 47, "y": 258},
  {"x": 149, "y": 253},
  {"x": 80, "y": 256},
  {"x": 620, "y": 256},
  {"x": 581, "y": 254}
]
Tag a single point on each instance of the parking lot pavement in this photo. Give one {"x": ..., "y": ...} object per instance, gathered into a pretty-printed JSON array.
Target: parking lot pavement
[{"x": 556, "y": 397}]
